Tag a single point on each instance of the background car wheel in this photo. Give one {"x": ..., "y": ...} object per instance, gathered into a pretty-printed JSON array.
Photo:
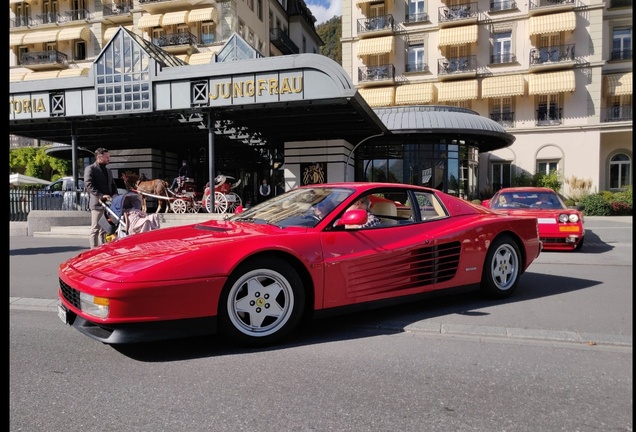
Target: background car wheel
[
  {"x": 502, "y": 268},
  {"x": 261, "y": 303}
]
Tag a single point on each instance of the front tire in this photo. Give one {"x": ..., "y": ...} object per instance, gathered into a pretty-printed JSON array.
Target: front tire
[
  {"x": 261, "y": 303},
  {"x": 502, "y": 268}
]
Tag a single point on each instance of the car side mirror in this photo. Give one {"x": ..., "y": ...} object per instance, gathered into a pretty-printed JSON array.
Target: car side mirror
[
  {"x": 486, "y": 203},
  {"x": 353, "y": 217}
]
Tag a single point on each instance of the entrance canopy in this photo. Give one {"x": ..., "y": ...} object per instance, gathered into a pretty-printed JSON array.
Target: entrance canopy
[{"x": 161, "y": 102}]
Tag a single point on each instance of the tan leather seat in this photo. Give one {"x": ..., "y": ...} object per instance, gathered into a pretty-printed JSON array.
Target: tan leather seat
[{"x": 385, "y": 208}]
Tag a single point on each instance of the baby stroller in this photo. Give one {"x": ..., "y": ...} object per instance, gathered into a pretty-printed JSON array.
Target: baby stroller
[{"x": 123, "y": 217}]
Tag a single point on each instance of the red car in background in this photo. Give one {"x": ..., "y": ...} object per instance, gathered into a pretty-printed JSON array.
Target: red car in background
[
  {"x": 560, "y": 228},
  {"x": 256, "y": 275}
]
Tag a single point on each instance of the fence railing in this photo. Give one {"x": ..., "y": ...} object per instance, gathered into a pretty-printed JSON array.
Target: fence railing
[{"x": 22, "y": 200}]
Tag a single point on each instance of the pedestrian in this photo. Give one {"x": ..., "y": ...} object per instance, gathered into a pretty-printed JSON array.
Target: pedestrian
[
  {"x": 264, "y": 191},
  {"x": 185, "y": 173},
  {"x": 99, "y": 183}
]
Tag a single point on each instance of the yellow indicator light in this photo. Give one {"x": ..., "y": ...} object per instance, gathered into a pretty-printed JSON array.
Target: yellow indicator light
[
  {"x": 569, "y": 229},
  {"x": 101, "y": 301}
]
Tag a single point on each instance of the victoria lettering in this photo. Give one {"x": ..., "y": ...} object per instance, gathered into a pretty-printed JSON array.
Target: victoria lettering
[
  {"x": 250, "y": 88},
  {"x": 27, "y": 105}
]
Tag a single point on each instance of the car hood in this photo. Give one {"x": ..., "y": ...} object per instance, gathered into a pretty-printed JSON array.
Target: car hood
[{"x": 189, "y": 251}]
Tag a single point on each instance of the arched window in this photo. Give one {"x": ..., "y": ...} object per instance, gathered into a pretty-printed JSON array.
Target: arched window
[{"x": 620, "y": 171}]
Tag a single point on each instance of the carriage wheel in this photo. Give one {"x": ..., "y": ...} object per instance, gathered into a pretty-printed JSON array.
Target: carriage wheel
[
  {"x": 179, "y": 206},
  {"x": 232, "y": 205},
  {"x": 193, "y": 207},
  {"x": 220, "y": 202}
]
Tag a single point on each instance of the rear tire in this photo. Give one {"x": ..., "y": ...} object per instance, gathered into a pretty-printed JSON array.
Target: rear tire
[
  {"x": 502, "y": 268},
  {"x": 261, "y": 303}
]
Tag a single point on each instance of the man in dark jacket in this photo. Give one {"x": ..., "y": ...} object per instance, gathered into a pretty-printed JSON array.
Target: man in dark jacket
[
  {"x": 99, "y": 183},
  {"x": 185, "y": 173}
]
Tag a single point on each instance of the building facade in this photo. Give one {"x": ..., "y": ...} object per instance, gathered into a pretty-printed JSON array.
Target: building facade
[{"x": 556, "y": 74}]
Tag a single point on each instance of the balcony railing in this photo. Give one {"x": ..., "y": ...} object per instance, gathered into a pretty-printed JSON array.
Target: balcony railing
[
  {"x": 505, "y": 119},
  {"x": 175, "y": 39},
  {"x": 617, "y": 113},
  {"x": 553, "y": 54},
  {"x": 384, "y": 22},
  {"x": 43, "y": 57},
  {"x": 118, "y": 8},
  {"x": 503, "y": 58},
  {"x": 456, "y": 65},
  {"x": 502, "y": 5},
  {"x": 376, "y": 73},
  {"x": 47, "y": 18},
  {"x": 76, "y": 15},
  {"x": 457, "y": 12},
  {"x": 416, "y": 67},
  {"x": 621, "y": 55},
  {"x": 418, "y": 17},
  {"x": 281, "y": 40},
  {"x": 553, "y": 116},
  {"x": 20, "y": 21},
  {"x": 547, "y": 3}
]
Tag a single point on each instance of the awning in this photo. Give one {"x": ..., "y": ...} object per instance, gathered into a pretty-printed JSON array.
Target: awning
[
  {"x": 457, "y": 91},
  {"x": 552, "y": 23},
  {"x": 109, "y": 33},
  {"x": 16, "y": 76},
  {"x": 172, "y": 18},
  {"x": 15, "y": 39},
  {"x": 201, "y": 58},
  {"x": 503, "y": 86},
  {"x": 361, "y": 2},
  {"x": 31, "y": 76},
  {"x": 207, "y": 14},
  {"x": 378, "y": 97},
  {"x": 74, "y": 33},
  {"x": 75, "y": 72},
  {"x": 148, "y": 21},
  {"x": 618, "y": 84},
  {"x": 413, "y": 94},
  {"x": 549, "y": 83},
  {"x": 40, "y": 37},
  {"x": 457, "y": 35},
  {"x": 374, "y": 46}
]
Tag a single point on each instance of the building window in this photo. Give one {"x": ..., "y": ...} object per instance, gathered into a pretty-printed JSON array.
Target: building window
[
  {"x": 619, "y": 108},
  {"x": 79, "y": 50},
  {"x": 501, "y": 111},
  {"x": 416, "y": 61},
  {"x": 271, "y": 20},
  {"x": 241, "y": 28},
  {"x": 501, "y": 175},
  {"x": 549, "y": 111},
  {"x": 250, "y": 4},
  {"x": 502, "y": 48},
  {"x": 622, "y": 43},
  {"x": 22, "y": 51},
  {"x": 546, "y": 167},
  {"x": 460, "y": 104},
  {"x": 304, "y": 47},
  {"x": 416, "y": 13},
  {"x": 259, "y": 9},
  {"x": 620, "y": 168},
  {"x": 207, "y": 32}
]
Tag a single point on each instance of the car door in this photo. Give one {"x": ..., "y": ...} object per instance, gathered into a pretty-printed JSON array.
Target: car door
[{"x": 376, "y": 263}]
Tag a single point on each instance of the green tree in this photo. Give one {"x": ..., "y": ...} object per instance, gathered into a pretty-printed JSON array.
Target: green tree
[
  {"x": 32, "y": 161},
  {"x": 330, "y": 33}
]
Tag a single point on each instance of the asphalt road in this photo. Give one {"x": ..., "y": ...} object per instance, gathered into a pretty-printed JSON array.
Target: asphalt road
[{"x": 556, "y": 356}]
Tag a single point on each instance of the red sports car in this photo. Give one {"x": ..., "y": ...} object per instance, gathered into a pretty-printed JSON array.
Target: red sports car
[
  {"x": 560, "y": 228},
  {"x": 253, "y": 276}
]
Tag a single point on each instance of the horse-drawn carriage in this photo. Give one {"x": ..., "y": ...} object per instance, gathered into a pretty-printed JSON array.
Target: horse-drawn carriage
[{"x": 185, "y": 199}]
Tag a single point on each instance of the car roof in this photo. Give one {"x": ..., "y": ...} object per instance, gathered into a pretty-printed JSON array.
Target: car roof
[{"x": 526, "y": 189}]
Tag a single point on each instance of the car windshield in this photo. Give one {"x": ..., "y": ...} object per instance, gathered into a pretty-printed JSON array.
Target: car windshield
[
  {"x": 302, "y": 207},
  {"x": 534, "y": 200}
]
